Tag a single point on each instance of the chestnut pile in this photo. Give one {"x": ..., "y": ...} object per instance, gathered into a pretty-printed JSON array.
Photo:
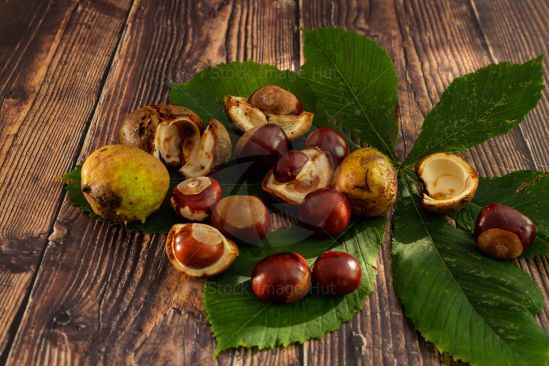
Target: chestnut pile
[
  {"x": 324, "y": 181},
  {"x": 450, "y": 183}
]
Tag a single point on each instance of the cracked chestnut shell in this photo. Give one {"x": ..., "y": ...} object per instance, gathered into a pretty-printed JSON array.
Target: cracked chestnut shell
[
  {"x": 242, "y": 218},
  {"x": 169, "y": 132},
  {"x": 502, "y": 232},
  {"x": 316, "y": 173},
  {"x": 199, "y": 250},
  {"x": 369, "y": 181},
  {"x": 209, "y": 154},
  {"x": 194, "y": 198},
  {"x": 281, "y": 278},
  {"x": 449, "y": 183},
  {"x": 269, "y": 104}
]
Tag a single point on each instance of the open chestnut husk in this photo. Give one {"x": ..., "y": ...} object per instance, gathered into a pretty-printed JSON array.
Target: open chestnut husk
[
  {"x": 326, "y": 211},
  {"x": 336, "y": 273},
  {"x": 315, "y": 173},
  {"x": 194, "y": 198},
  {"x": 242, "y": 218},
  {"x": 167, "y": 131},
  {"x": 199, "y": 250},
  {"x": 172, "y": 134},
  {"x": 369, "y": 181},
  {"x": 212, "y": 152},
  {"x": 269, "y": 104},
  {"x": 449, "y": 183},
  {"x": 329, "y": 140},
  {"x": 281, "y": 278},
  {"x": 502, "y": 232}
]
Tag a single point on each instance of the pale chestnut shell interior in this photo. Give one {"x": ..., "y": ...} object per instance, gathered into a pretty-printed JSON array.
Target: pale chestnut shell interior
[
  {"x": 449, "y": 182},
  {"x": 174, "y": 141},
  {"x": 316, "y": 173},
  {"x": 208, "y": 235},
  {"x": 213, "y": 150},
  {"x": 245, "y": 117}
]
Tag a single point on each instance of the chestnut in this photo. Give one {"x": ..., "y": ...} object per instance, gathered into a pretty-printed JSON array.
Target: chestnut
[
  {"x": 336, "y": 273},
  {"x": 262, "y": 144},
  {"x": 288, "y": 166},
  {"x": 243, "y": 218},
  {"x": 281, "y": 278},
  {"x": 272, "y": 99},
  {"x": 502, "y": 232},
  {"x": 326, "y": 211},
  {"x": 331, "y": 141},
  {"x": 199, "y": 250},
  {"x": 194, "y": 198}
]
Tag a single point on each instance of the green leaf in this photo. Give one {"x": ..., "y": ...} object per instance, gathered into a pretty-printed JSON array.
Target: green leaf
[
  {"x": 526, "y": 190},
  {"x": 478, "y": 309},
  {"x": 355, "y": 83},
  {"x": 159, "y": 222},
  {"x": 480, "y": 105},
  {"x": 205, "y": 91},
  {"x": 239, "y": 319}
]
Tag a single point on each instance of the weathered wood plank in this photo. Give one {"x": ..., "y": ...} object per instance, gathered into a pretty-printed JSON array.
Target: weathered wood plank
[
  {"x": 105, "y": 296},
  {"x": 517, "y": 31},
  {"x": 51, "y": 68},
  {"x": 431, "y": 43}
]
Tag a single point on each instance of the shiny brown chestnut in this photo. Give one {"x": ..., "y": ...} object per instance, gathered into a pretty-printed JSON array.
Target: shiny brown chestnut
[
  {"x": 503, "y": 232},
  {"x": 199, "y": 250},
  {"x": 336, "y": 273},
  {"x": 262, "y": 144},
  {"x": 194, "y": 198},
  {"x": 326, "y": 211},
  {"x": 331, "y": 141},
  {"x": 242, "y": 218},
  {"x": 288, "y": 166},
  {"x": 281, "y": 278}
]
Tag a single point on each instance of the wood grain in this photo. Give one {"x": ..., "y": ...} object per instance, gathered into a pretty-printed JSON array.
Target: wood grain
[
  {"x": 51, "y": 70},
  {"x": 431, "y": 43},
  {"x": 105, "y": 296},
  {"x": 101, "y": 295},
  {"x": 517, "y": 31}
]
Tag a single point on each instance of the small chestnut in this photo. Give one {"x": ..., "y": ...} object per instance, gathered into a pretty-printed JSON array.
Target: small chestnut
[
  {"x": 243, "y": 218},
  {"x": 336, "y": 273},
  {"x": 288, "y": 166},
  {"x": 272, "y": 99},
  {"x": 326, "y": 211},
  {"x": 281, "y": 278},
  {"x": 199, "y": 250},
  {"x": 503, "y": 232},
  {"x": 262, "y": 144},
  {"x": 194, "y": 198},
  {"x": 331, "y": 141}
]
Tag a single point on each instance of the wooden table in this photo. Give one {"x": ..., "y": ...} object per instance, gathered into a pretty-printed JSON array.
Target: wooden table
[{"x": 72, "y": 289}]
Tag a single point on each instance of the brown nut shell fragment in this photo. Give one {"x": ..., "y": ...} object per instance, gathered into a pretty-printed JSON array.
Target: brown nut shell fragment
[
  {"x": 449, "y": 183},
  {"x": 213, "y": 151},
  {"x": 179, "y": 128},
  {"x": 315, "y": 174},
  {"x": 199, "y": 250}
]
